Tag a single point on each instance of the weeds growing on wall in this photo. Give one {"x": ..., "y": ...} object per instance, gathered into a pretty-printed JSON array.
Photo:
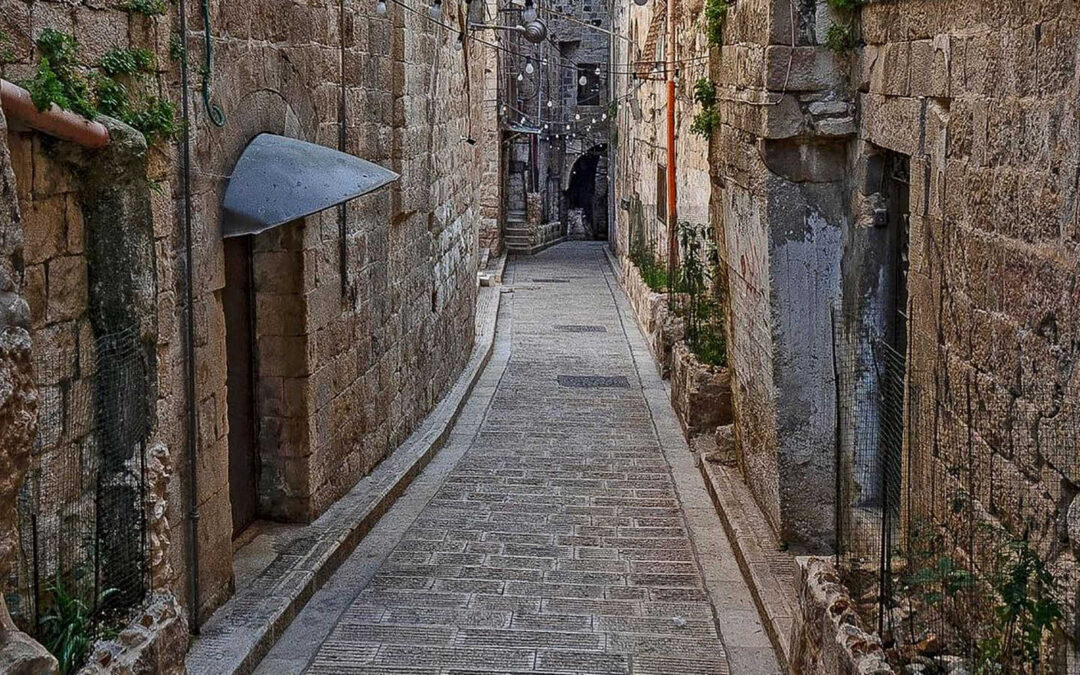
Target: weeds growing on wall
[
  {"x": 121, "y": 86},
  {"x": 701, "y": 309},
  {"x": 716, "y": 12},
  {"x": 708, "y": 118},
  {"x": 842, "y": 37},
  {"x": 145, "y": 7},
  {"x": 7, "y": 48}
]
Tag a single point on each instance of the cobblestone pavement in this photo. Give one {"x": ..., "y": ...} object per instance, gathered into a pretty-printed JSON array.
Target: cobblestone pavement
[{"x": 549, "y": 535}]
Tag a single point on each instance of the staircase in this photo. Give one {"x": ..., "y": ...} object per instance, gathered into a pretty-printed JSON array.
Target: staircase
[{"x": 516, "y": 233}]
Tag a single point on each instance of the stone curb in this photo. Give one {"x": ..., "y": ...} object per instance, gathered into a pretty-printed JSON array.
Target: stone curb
[
  {"x": 241, "y": 633},
  {"x": 739, "y": 514}
]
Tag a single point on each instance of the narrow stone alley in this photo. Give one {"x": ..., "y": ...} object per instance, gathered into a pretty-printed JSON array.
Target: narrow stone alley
[{"x": 563, "y": 528}]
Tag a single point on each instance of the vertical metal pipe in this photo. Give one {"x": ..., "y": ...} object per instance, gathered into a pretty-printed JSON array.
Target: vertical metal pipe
[
  {"x": 189, "y": 340},
  {"x": 672, "y": 196}
]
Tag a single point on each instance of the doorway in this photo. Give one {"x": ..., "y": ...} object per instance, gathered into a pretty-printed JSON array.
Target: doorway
[
  {"x": 238, "y": 305},
  {"x": 587, "y": 196}
]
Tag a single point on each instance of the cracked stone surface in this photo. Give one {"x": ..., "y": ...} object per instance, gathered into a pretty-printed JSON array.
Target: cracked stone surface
[{"x": 549, "y": 535}]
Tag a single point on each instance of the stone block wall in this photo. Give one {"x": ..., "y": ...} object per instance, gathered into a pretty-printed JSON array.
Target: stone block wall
[
  {"x": 981, "y": 101},
  {"x": 641, "y": 147},
  {"x": 351, "y": 365}
]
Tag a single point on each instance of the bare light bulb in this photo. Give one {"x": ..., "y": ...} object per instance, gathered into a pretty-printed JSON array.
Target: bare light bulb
[
  {"x": 529, "y": 67},
  {"x": 551, "y": 104},
  {"x": 577, "y": 117},
  {"x": 583, "y": 80},
  {"x": 520, "y": 77},
  {"x": 529, "y": 13},
  {"x": 598, "y": 70}
]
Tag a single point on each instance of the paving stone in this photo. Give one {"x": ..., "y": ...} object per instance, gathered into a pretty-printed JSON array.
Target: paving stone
[{"x": 555, "y": 542}]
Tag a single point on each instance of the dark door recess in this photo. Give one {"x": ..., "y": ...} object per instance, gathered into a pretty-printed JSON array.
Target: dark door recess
[{"x": 239, "y": 343}]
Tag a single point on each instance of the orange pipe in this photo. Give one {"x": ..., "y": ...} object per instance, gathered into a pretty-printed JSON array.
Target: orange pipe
[
  {"x": 672, "y": 195},
  {"x": 55, "y": 121}
]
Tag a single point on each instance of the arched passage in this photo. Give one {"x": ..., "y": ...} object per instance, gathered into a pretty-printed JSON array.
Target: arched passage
[{"x": 586, "y": 195}]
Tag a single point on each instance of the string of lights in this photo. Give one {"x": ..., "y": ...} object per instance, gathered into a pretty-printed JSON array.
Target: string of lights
[{"x": 435, "y": 14}]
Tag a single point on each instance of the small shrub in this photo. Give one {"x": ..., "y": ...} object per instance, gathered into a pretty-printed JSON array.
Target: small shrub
[
  {"x": 67, "y": 627},
  {"x": 708, "y": 118},
  {"x": 7, "y": 48},
  {"x": 716, "y": 12},
  {"x": 127, "y": 62},
  {"x": 841, "y": 39},
  {"x": 58, "y": 78},
  {"x": 700, "y": 310}
]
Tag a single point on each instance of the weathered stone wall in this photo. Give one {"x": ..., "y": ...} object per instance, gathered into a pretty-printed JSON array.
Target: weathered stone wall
[
  {"x": 982, "y": 100},
  {"x": 641, "y": 123},
  {"x": 376, "y": 356},
  {"x": 827, "y": 637}
]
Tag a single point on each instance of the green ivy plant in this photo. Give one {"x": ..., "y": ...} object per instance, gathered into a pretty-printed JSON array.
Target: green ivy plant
[
  {"x": 119, "y": 88},
  {"x": 716, "y": 12},
  {"x": 708, "y": 118},
  {"x": 127, "y": 62}
]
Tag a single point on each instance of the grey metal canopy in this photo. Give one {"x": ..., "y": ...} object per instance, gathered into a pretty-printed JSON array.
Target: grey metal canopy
[{"x": 279, "y": 179}]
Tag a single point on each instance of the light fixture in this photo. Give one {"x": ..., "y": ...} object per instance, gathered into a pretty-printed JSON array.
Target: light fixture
[
  {"x": 598, "y": 70},
  {"x": 520, "y": 77},
  {"x": 436, "y": 9},
  {"x": 545, "y": 127},
  {"x": 604, "y": 116},
  {"x": 380, "y": 7},
  {"x": 577, "y": 117},
  {"x": 529, "y": 13},
  {"x": 523, "y": 120},
  {"x": 551, "y": 104},
  {"x": 568, "y": 127},
  {"x": 535, "y": 31},
  {"x": 529, "y": 67},
  {"x": 583, "y": 80},
  {"x": 504, "y": 109}
]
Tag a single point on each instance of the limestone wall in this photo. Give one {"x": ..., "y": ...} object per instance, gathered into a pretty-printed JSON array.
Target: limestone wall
[
  {"x": 641, "y": 146},
  {"x": 379, "y": 348},
  {"x": 983, "y": 100}
]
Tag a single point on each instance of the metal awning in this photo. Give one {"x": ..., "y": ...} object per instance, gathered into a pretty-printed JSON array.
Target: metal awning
[{"x": 278, "y": 180}]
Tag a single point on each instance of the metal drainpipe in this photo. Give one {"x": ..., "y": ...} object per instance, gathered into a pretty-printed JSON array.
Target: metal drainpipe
[
  {"x": 672, "y": 196},
  {"x": 189, "y": 344},
  {"x": 55, "y": 121}
]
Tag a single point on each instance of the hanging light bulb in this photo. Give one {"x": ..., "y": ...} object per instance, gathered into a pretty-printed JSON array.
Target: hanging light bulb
[
  {"x": 529, "y": 13},
  {"x": 523, "y": 120},
  {"x": 504, "y": 109},
  {"x": 577, "y": 117},
  {"x": 436, "y": 9},
  {"x": 380, "y": 7},
  {"x": 583, "y": 80},
  {"x": 520, "y": 77},
  {"x": 529, "y": 67},
  {"x": 568, "y": 127},
  {"x": 545, "y": 127},
  {"x": 604, "y": 117},
  {"x": 598, "y": 70},
  {"x": 551, "y": 104}
]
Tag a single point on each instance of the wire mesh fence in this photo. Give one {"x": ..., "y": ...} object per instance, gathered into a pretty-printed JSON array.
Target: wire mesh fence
[
  {"x": 952, "y": 492},
  {"x": 82, "y": 509}
]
